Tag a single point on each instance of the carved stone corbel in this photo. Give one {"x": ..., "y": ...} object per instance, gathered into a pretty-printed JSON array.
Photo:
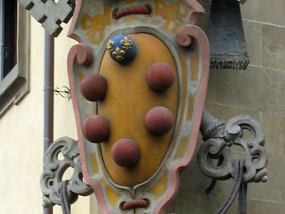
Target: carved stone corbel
[{"x": 55, "y": 167}]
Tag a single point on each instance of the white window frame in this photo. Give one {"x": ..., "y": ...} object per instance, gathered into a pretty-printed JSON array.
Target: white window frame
[{"x": 15, "y": 85}]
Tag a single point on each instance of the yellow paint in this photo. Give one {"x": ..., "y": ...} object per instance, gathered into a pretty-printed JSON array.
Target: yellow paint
[
  {"x": 94, "y": 163},
  {"x": 183, "y": 99},
  {"x": 128, "y": 100},
  {"x": 113, "y": 197},
  {"x": 95, "y": 26},
  {"x": 182, "y": 147},
  {"x": 191, "y": 104},
  {"x": 194, "y": 66},
  {"x": 170, "y": 14},
  {"x": 130, "y": 1},
  {"x": 80, "y": 76},
  {"x": 184, "y": 82},
  {"x": 160, "y": 187},
  {"x": 182, "y": 9},
  {"x": 173, "y": 15}
]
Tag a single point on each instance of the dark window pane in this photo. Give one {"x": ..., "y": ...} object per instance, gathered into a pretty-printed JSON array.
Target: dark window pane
[{"x": 10, "y": 35}]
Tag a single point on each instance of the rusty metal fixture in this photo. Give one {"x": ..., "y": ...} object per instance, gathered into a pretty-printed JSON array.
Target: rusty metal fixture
[
  {"x": 160, "y": 77},
  {"x": 93, "y": 87},
  {"x": 135, "y": 204},
  {"x": 96, "y": 129},
  {"x": 125, "y": 152},
  {"x": 159, "y": 120},
  {"x": 143, "y": 10},
  {"x": 226, "y": 36}
]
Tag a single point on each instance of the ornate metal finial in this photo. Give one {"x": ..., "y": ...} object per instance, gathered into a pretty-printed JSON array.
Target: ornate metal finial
[{"x": 54, "y": 169}]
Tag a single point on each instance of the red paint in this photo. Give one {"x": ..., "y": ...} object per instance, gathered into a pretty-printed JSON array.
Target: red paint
[
  {"x": 125, "y": 152},
  {"x": 96, "y": 129},
  {"x": 135, "y": 204},
  {"x": 160, "y": 77},
  {"x": 93, "y": 87},
  {"x": 159, "y": 120}
]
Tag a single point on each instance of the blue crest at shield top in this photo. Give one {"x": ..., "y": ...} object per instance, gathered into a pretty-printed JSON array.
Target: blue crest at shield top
[{"x": 122, "y": 49}]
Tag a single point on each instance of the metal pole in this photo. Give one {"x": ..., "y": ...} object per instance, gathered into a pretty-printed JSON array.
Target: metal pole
[{"x": 48, "y": 96}]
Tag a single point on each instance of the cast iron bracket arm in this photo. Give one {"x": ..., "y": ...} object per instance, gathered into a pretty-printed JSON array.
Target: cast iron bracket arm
[
  {"x": 216, "y": 161},
  {"x": 55, "y": 167},
  {"x": 220, "y": 136}
]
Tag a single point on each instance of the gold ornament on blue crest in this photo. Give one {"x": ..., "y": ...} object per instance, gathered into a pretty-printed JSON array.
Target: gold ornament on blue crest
[{"x": 122, "y": 49}]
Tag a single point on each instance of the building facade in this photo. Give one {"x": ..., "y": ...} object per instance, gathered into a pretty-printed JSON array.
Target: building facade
[{"x": 257, "y": 91}]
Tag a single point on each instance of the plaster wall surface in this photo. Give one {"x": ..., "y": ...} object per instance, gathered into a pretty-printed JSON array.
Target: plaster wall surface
[{"x": 21, "y": 135}]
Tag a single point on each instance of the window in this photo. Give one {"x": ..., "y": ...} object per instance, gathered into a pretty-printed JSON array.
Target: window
[{"x": 14, "y": 40}]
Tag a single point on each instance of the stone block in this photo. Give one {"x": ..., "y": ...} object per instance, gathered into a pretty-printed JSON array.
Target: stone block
[
  {"x": 251, "y": 10},
  {"x": 272, "y": 11},
  {"x": 236, "y": 88},
  {"x": 252, "y": 31},
  {"x": 192, "y": 178},
  {"x": 264, "y": 207},
  {"x": 256, "y": 88},
  {"x": 273, "y": 46},
  {"x": 197, "y": 202},
  {"x": 275, "y": 145},
  {"x": 272, "y": 91},
  {"x": 225, "y": 113},
  {"x": 192, "y": 196},
  {"x": 273, "y": 190}
]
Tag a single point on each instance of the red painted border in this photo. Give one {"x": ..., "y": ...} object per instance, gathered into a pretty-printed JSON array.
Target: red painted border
[
  {"x": 83, "y": 55},
  {"x": 183, "y": 38},
  {"x": 195, "y": 16}
]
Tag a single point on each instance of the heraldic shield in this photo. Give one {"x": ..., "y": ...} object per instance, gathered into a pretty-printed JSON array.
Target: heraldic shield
[{"x": 138, "y": 80}]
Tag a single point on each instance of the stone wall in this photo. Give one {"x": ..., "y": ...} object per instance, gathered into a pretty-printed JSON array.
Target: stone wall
[{"x": 258, "y": 91}]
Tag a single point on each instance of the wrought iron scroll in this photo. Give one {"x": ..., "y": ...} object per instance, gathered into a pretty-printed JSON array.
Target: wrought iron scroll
[
  {"x": 49, "y": 13},
  {"x": 220, "y": 136},
  {"x": 54, "y": 169}
]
